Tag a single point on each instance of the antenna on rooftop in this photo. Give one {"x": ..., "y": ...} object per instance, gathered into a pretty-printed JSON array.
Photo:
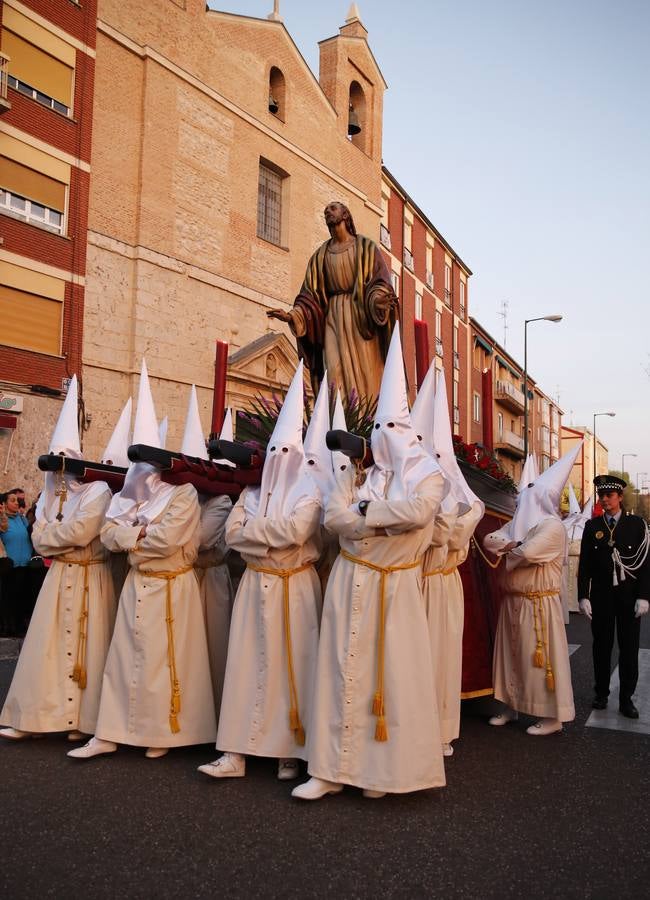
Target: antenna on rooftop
[
  {"x": 275, "y": 15},
  {"x": 503, "y": 312}
]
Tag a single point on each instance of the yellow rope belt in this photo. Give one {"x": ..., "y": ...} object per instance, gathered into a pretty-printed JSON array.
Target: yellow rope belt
[
  {"x": 175, "y": 699},
  {"x": 440, "y": 572},
  {"x": 378, "y": 707},
  {"x": 295, "y": 724},
  {"x": 79, "y": 673},
  {"x": 541, "y": 656},
  {"x": 477, "y": 546}
]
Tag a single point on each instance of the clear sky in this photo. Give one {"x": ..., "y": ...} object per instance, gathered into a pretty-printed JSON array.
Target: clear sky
[{"x": 522, "y": 129}]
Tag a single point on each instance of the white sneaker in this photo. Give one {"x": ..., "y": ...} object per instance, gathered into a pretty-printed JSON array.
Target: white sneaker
[
  {"x": 373, "y": 795},
  {"x": 508, "y": 715},
  {"x": 448, "y": 750},
  {"x": 316, "y": 788},
  {"x": 156, "y": 752},
  {"x": 288, "y": 769},
  {"x": 76, "y": 735},
  {"x": 544, "y": 726},
  {"x": 230, "y": 765},
  {"x": 13, "y": 734},
  {"x": 94, "y": 747}
]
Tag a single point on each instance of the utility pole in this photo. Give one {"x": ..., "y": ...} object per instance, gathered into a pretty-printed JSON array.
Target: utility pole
[{"x": 503, "y": 312}]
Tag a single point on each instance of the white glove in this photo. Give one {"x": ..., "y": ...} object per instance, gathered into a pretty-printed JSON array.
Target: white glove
[
  {"x": 641, "y": 608},
  {"x": 585, "y": 607}
]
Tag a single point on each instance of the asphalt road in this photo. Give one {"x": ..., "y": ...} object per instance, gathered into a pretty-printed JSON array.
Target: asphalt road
[{"x": 560, "y": 817}]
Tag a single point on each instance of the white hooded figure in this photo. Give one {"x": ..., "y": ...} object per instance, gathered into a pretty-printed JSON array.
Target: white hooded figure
[
  {"x": 156, "y": 690},
  {"x": 211, "y": 568},
  {"x": 116, "y": 454},
  {"x": 57, "y": 682},
  {"x": 266, "y": 703},
  {"x": 531, "y": 669},
  {"x": 455, "y": 522},
  {"x": 374, "y": 721}
]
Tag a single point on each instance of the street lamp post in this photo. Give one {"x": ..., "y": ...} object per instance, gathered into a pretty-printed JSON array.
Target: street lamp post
[
  {"x": 554, "y": 318},
  {"x": 595, "y": 442},
  {"x": 623, "y": 455}
]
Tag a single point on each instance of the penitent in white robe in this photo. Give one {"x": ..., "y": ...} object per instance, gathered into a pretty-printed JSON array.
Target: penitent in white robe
[
  {"x": 448, "y": 653},
  {"x": 136, "y": 690},
  {"x": 534, "y": 566},
  {"x": 43, "y": 695},
  {"x": 342, "y": 746},
  {"x": 215, "y": 586},
  {"x": 255, "y": 706}
]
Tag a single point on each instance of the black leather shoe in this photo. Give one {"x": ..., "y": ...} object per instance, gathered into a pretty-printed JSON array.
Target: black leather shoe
[
  {"x": 628, "y": 709},
  {"x": 599, "y": 703}
]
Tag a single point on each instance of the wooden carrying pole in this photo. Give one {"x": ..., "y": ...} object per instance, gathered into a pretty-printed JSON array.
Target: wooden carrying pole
[{"x": 219, "y": 396}]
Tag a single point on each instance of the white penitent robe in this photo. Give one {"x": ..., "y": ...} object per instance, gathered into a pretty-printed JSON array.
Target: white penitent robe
[
  {"x": 342, "y": 746},
  {"x": 572, "y": 576},
  {"x": 136, "y": 690},
  {"x": 215, "y": 586},
  {"x": 255, "y": 706},
  {"x": 535, "y": 566},
  {"x": 450, "y": 637},
  {"x": 43, "y": 695}
]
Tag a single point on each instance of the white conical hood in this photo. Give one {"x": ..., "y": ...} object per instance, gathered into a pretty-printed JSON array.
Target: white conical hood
[
  {"x": 340, "y": 461},
  {"x": 528, "y": 473},
  {"x": 588, "y": 508},
  {"x": 115, "y": 453},
  {"x": 193, "y": 440},
  {"x": 460, "y": 492},
  {"x": 226, "y": 434},
  {"x": 145, "y": 427},
  {"x": 65, "y": 438},
  {"x": 143, "y": 496},
  {"x": 577, "y": 518},
  {"x": 574, "y": 506},
  {"x": 163, "y": 428},
  {"x": 286, "y": 482},
  {"x": 319, "y": 458},
  {"x": 542, "y": 498},
  {"x": 401, "y": 462},
  {"x": 422, "y": 411}
]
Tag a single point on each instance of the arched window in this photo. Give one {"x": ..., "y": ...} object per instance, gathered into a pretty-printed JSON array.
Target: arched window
[
  {"x": 277, "y": 94},
  {"x": 357, "y": 131}
]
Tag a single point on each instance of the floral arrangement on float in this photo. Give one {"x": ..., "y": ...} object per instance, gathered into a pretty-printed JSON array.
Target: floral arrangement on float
[{"x": 479, "y": 457}]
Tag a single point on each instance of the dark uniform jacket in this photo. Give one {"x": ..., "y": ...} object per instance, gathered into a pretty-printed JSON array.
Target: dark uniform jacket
[{"x": 596, "y": 566}]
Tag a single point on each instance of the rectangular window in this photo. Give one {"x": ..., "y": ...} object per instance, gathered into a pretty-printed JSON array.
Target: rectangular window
[
  {"x": 418, "y": 306},
  {"x": 31, "y": 195},
  {"x": 476, "y": 407},
  {"x": 38, "y": 74},
  {"x": 447, "y": 284},
  {"x": 269, "y": 205},
  {"x": 461, "y": 310},
  {"x": 30, "y": 322},
  {"x": 439, "y": 324},
  {"x": 394, "y": 280},
  {"x": 408, "y": 235},
  {"x": 500, "y": 425}
]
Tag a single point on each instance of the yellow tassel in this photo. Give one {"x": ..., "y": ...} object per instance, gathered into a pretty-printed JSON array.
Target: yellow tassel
[
  {"x": 174, "y": 727},
  {"x": 176, "y": 701},
  {"x": 550, "y": 680},
  {"x": 294, "y": 719},
  {"x": 76, "y": 672},
  {"x": 538, "y": 657},
  {"x": 83, "y": 680},
  {"x": 299, "y": 735},
  {"x": 378, "y": 705},
  {"x": 381, "y": 731}
]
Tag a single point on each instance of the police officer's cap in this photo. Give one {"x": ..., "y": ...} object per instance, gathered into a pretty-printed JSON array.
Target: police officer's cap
[{"x": 606, "y": 483}]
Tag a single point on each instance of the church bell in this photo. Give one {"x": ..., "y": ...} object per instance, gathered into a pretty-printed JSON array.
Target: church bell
[{"x": 353, "y": 122}]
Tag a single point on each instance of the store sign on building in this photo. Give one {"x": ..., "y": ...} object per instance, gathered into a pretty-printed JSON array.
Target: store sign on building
[{"x": 10, "y": 403}]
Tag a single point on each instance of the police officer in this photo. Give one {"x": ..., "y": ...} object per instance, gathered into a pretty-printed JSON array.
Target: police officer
[{"x": 613, "y": 580}]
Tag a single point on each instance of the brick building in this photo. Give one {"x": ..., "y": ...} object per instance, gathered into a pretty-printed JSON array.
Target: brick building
[
  {"x": 211, "y": 168},
  {"x": 431, "y": 281},
  {"x": 45, "y": 143},
  {"x": 497, "y": 407}
]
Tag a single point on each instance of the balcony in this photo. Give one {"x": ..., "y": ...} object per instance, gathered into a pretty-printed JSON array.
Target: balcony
[
  {"x": 509, "y": 396},
  {"x": 510, "y": 443},
  {"x": 447, "y": 296},
  {"x": 545, "y": 443},
  {"x": 456, "y": 416},
  {"x": 429, "y": 280},
  {"x": 384, "y": 237},
  {"x": 456, "y": 359},
  {"x": 4, "y": 81},
  {"x": 408, "y": 260},
  {"x": 440, "y": 350}
]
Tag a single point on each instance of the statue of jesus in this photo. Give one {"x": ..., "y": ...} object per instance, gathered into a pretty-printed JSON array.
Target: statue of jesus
[{"x": 343, "y": 316}]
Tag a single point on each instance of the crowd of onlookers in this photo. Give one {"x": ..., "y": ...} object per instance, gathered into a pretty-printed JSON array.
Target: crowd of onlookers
[{"x": 22, "y": 570}]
